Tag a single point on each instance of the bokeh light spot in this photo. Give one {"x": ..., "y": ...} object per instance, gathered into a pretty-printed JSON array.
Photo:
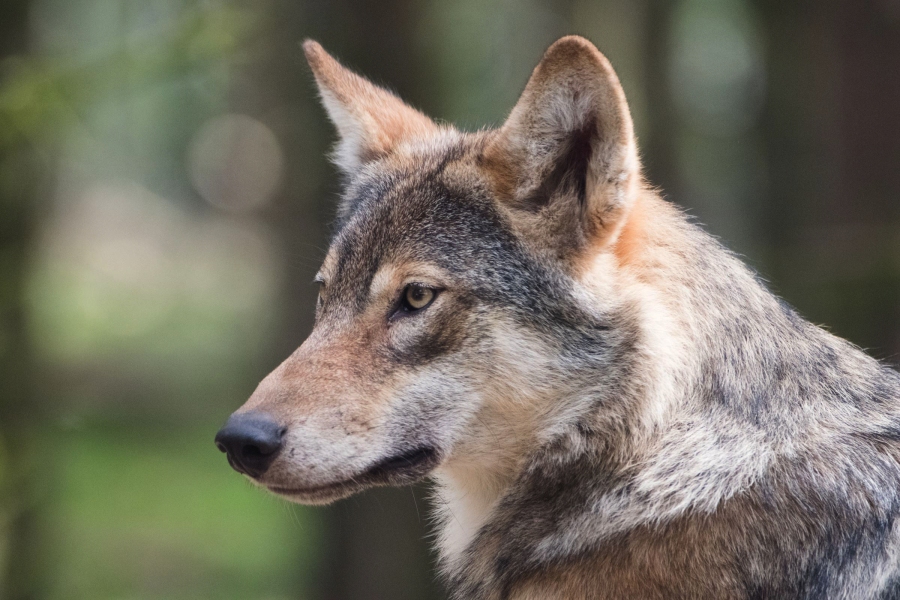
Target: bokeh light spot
[{"x": 235, "y": 162}]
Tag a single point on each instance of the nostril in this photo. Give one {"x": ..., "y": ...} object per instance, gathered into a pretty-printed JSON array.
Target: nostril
[
  {"x": 221, "y": 447},
  {"x": 250, "y": 451}
]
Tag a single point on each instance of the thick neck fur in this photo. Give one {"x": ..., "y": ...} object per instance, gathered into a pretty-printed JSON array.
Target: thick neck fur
[
  {"x": 693, "y": 322},
  {"x": 512, "y": 426}
]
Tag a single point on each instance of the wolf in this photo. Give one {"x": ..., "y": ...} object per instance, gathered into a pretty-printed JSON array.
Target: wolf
[{"x": 611, "y": 405}]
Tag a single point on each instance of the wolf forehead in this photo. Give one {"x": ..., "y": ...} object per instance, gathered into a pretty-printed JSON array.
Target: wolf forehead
[
  {"x": 431, "y": 205},
  {"x": 434, "y": 204},
  {"x": 422, "y": 218}
]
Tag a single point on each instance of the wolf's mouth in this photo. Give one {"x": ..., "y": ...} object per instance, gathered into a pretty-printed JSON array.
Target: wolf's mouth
[
  {"x": 401, "y": 469},
  {"x": 408, "y": 461}
]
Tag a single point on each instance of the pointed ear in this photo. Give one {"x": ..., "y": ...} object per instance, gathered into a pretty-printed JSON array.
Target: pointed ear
[
  {"x": 370, "y": 120},
  {"x": 565, "y": 162}
]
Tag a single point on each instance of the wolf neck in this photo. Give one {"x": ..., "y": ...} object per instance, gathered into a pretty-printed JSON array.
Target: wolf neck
[{"x": 647, "y": 379}]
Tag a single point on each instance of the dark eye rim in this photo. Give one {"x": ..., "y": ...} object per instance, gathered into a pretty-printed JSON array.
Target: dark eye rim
[{"x": 403, "y": 308}]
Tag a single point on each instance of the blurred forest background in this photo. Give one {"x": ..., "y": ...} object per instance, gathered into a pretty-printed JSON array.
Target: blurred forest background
[{"x": 165, "y": 200}]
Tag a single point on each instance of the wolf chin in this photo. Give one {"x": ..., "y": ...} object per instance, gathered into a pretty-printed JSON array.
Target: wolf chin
[{"x": 610, "y": 404}]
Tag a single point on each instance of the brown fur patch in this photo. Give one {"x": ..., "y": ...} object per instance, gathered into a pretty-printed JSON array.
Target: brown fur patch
[{"x": 633, "y": 234}]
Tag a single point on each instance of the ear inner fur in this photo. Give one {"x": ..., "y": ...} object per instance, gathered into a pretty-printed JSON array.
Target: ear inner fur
[
  {"x": 370, "y": 120},
  {"x": 569, "y": 140}
]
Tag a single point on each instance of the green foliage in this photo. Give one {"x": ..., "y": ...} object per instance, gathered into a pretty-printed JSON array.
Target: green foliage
[
  {"x": 144, "y": 512},
  {"x": 41, "y": 95}
]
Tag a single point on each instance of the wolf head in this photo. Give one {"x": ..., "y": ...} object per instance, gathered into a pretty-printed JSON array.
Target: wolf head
[{"x": 455, "y": 312}]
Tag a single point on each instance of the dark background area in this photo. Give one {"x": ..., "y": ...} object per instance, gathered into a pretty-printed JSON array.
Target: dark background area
[{"x": 165, "y": 199}]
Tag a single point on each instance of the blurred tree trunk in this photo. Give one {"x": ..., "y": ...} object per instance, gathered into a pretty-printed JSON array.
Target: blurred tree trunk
[
  {"x": 19, "y": 164},
  {"x": 868, "y": 122},
  {"x": 658, "y": 146},
  {"x": 832, "y": 133}
]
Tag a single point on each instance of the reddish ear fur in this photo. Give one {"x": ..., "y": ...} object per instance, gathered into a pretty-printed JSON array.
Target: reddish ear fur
[
  {"x": 370, "y": 120},
  {"x": 566, "y": 157}
]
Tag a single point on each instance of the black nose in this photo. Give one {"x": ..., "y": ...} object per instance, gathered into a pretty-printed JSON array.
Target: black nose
[{"x": 251, "y": 441}]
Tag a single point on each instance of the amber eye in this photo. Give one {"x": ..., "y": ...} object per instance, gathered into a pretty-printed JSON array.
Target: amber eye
[{"x": 417, "y": 297}]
